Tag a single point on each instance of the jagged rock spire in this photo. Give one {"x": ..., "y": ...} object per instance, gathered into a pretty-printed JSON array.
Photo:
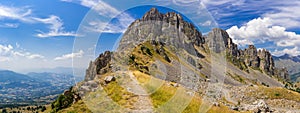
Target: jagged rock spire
[{"x": 153, "y": 14}]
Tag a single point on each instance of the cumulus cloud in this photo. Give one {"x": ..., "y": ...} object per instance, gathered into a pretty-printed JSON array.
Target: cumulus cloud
[
  {"x": 70, "y": 56},
  {"x": 5, "y": 52},
  {"x": 8, "y": 52},
  {"x": 293, "y": 51},
  {"x": 284, "y": 13},
  {"x": 261, "y": 30}
]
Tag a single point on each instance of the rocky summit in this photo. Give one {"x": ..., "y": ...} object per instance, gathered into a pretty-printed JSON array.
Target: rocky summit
[{"x": 164, "y": 64}]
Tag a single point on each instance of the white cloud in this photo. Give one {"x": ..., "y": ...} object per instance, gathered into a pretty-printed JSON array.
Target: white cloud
[
  {"x": 22, "y": 14},
  {"x": 287, "y": 15},
  {"x": 119, "y": 26},
  {"x": 283, "y": 13},
  {"x": 8, "y": 52},
  {"x": 263, "y": 29},
  {"x": 123, "y": 20},
  {"x": 55, "y": 26},
  {"x": 294, "y": 52},
  {"x": 101, "y": 7},
  {"x": 70, "y": 56},
  {"x": 25, "y": 15},
  {"x": 66, "y": 0},
  {"x": 17, "y": 45},
  {"x": 35, "y": 56},
  {"x": 206, "y": 23},
  {"x": 5, "y": 52},
  {"x": 9, "y": 25},
  {"x": 220, "y": 2}
]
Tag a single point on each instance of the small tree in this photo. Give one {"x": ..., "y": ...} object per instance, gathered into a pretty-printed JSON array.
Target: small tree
[
  {"x": 4, "y": 111},
  {"x": 43, "y": 108},
  {"x": 298, "y": 90}
]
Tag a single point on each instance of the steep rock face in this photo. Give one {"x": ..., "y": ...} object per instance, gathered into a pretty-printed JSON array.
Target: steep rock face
[
  {"x": 169, "y": 27},
  {"x": 251, "y": 57},
  {"x": 219, "y": 40},
  {"x": 99, "y": 66},
  {"x": 262, "y": 60},
  {"x": 282, "y": 73},
  {"x": 266, "y": 61},
  {"x": 232, "y": 48},
  {"x": 166, "y": 21},
  {"x": 259, "y": 59}
]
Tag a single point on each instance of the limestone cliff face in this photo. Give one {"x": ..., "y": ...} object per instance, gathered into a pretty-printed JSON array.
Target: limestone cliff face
[
  {"x": 171, "y": 29},
  {"x": 177, "y": 21},
  {"x": 250, "y": 57},
  {"x": 266, "y": 61},
  {"x": 99, "y": 66},
  {"x": 155, "y": 25}
]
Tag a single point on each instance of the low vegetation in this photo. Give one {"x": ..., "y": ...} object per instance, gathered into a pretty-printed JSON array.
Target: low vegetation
[
  {"x": 119, "y": 94},
  {"x": 273, "y": 93},
  {"x": 63, "y": 101},
  {"x": 25, "y": 109},
  {"x": 162, "y": 95}
]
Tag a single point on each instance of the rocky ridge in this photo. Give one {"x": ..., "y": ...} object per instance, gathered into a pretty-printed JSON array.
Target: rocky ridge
[
  {"x": 172, "y": 25},
  {"x": 249, "y": 57},
  {"x": 99, "y": 66}
]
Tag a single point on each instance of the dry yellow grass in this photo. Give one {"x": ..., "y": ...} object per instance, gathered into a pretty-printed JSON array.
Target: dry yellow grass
[
  {"x": 194, "y": 105},
  {"x": 119, "y": 94},
  {"x": 162, "y": 95},
  {"x": 274, "y": 93}
]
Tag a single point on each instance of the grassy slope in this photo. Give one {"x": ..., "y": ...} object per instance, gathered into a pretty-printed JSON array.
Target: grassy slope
[
  {"x": 165, "y": 92},
  {"x": 273, "y": 93}
]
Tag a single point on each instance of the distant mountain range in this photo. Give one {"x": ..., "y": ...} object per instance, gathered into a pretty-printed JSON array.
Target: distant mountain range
[
  {"x": 287, "y": 57},
  {"x": 62, "y": 70},
  {"x": 39, "y": 88},
  {"x": 292, "y": 63}
]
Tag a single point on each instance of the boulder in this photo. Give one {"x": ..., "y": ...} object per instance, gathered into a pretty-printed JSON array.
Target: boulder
[{"x": 109, "y": 79}]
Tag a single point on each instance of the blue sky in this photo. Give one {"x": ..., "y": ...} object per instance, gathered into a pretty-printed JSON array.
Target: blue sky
[{"x": 41, "y": 33}]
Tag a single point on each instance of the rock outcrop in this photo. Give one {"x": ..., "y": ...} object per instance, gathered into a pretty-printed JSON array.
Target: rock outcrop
[
  {"x": 170, "y": 24},
  {"x": 259, "y": 106},
  {"x": 99, "y": 66},
  {"x": 176, "y": 20},
  {"x": 266, "y": 61},
  {"x": 219, "y": 40}
]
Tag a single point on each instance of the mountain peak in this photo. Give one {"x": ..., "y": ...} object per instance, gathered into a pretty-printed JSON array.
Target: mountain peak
[
  {"x": 153, "y": 14},
  {"x": 289, "y": 57},
  {"x": 286, "y": 55},
  {"x": 153, "y": 10}
]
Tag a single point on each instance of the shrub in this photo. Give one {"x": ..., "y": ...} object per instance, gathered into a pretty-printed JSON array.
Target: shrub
[
  {"x": 298, "y": 90},
  {"x": 63, "y": 101}
]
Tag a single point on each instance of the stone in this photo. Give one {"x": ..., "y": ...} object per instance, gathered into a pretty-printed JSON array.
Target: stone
[
  {"x": 234, "y": 108},
  {"x": 109, "y": 79},
  {"x": 99, "y": 66},
  {"x": 216, "y": 104}
]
